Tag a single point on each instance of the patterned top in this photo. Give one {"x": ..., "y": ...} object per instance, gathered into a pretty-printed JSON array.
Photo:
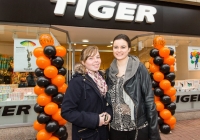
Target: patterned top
[{"x": 121, "y": 111}]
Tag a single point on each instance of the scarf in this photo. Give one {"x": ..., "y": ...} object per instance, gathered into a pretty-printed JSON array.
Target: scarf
[{"x": 100, "y": 82}]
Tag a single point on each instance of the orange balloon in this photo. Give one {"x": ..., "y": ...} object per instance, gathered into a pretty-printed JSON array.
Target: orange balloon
[
  {"x": 158, "y": 42},
  {"x": 165, "y": 84},
  {"x": 60, "y": 51},
  {"x": 54, "y": 138},
  {"x": 164, "y": 52},
  {"x": 43, "y": 135},
  {"x": 45, "y": 40},
  {"x": 51, "y": 108},
  {"x": 43, "y": 99},
  {"x": 57, "y": 116},
  {"x": 38, "y": 52},
  {"x": 159, "y": 106},
  {"x": 37, "y": 126},
  {"x": 62, "y": 122},
  {"x": 38, "y": 90},
  {"x": 173, "y": 98},
  {"x": 154, "y": 68},
  {"x": 171, "y": 68},
  {"x": 50, "y": 71},
  {"x": 170, "y": 92},
  {"x": 58, "y": 80},
  {"x": 156, "y": 98},
  {"x": 165, "y": 114},
  {"x": 42, "y": 62},
  {"x": 172, "y": 126},
  {"x": 170, "y": 121},
  {"x": 169, "y": 60},
  {"x": 158, "y": 76},
  {"x": 151, "y": 60},
  {"x": 63, "y": 88}
]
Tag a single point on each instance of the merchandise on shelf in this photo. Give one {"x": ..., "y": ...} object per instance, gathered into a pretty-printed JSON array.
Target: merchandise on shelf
[
  {"x": 13, "y": 93},
  {"x": 187, "y": 85}
]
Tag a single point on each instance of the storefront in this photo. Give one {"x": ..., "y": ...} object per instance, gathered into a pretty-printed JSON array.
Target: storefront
[{"x": 152, "y": 18}]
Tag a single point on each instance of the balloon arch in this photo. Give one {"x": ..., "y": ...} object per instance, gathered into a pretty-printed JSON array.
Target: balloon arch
[
  {"x": 162, "y": 75},
  {"x": 50, "y": 89}
]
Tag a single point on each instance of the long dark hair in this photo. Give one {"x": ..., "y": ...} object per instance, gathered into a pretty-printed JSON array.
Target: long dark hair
[{"x": 124, "y": 37}]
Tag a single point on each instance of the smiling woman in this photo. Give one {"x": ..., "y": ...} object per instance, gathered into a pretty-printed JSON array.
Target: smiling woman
[{"x": 84, "y": 104}]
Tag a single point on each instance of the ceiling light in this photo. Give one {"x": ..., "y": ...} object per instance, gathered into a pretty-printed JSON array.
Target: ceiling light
[
  {"x": 84, "y": 45},
  {"x": 109, "y": 46},
  {"x": 75, "y": 44},
  {"x": 85, "y": 40},
  {"x": 111, "y": 42}
]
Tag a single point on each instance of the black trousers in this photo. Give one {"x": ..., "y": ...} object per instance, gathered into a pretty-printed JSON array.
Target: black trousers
[{"x": 128, "y": 135}]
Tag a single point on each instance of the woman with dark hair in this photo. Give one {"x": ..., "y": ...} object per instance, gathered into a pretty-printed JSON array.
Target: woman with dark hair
[
  {"x": 84, "y": 103},
  {"x": 131, "y": 96}
]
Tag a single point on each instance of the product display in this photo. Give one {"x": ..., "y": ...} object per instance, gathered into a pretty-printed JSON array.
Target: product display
[{"x": 187, "y": 85}]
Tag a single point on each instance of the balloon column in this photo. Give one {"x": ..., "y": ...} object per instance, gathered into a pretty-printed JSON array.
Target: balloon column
[
  {"x": 162, "y": 74},
  {"x": 50, "y": 89}
]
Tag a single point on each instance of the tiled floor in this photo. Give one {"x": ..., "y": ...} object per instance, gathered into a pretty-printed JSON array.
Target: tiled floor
[{"x": 184, "y": 130}]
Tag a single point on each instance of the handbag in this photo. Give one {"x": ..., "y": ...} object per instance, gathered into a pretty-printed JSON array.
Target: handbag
[{"x": 87, "y": 133}]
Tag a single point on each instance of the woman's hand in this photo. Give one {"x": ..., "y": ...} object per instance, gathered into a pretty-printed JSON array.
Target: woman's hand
[{"x": 101, "y": 119}]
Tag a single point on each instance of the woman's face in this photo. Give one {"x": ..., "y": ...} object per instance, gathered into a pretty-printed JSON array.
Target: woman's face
[
  {"x": 120, "y": 49},
  {"x": 93, "y": 62}
]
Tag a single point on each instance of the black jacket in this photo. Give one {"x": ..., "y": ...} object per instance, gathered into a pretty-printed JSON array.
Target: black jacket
[
  {"x": 139, "y": 88},
  {"x": 82, "y": 105}
]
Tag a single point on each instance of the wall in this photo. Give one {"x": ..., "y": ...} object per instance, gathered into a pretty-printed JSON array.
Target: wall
[
  {"x": 182, "y": 72},
  {"x": 7, "y": 49}
]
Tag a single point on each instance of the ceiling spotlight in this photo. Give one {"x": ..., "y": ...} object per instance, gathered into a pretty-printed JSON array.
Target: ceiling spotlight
[
  {"x": 84, "y": 45},
  {"x": 75, "y": 44},
  {"x": 85, "y": 40},
  {"x": 111, "y": 42}
]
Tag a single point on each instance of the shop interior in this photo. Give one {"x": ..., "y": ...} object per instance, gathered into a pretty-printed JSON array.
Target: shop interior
[{"x": 76, "y": 38}]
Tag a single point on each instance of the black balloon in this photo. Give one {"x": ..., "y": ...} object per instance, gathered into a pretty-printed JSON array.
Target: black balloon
[
  {"x": 165, "y": 128},
  {"x": 158, "y": 92},
  {"x": 43, "y": 118},
  {"x": 160, "y": 120},
  {"x": 172, "y": 83},
  {"x": 49, "y": 51},
  {"x": 172, "y": 112},
  {"x": 57, "y": 61},
  {"x": 62, "y": 71},
  {"x": 170, "y": 76},
  {"x": 38, "y": 108},
  {"x": 171, "y": 50},
  {"x": 60, "y": 132},
  {"x": 43, "y": 81},
  {"x": 158, "y": 60},
  {"x": 171, "y": 106},
  {"x": 154, "y": 53},
  {"x": 165, "y": 68},
  {"x": 58, "y": 98},
  {"x": 155, "y": 84},
  {"x": 151, "y": 75},
  {"x": 39, "y": 72},
  {"x": 64, "y": 137},
  {"x": 52, "y": 126},
  {"x": 51, "y": 90},
  {"x": 165, "y": 99}
]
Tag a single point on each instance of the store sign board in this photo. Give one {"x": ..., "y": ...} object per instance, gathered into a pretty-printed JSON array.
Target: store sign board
[
  {"x": 24, "y": 60},
  {"x": 10, "y": 110},
  {"x": 188, "y": 98},
  {"x": 125, "y": 11}
]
